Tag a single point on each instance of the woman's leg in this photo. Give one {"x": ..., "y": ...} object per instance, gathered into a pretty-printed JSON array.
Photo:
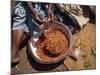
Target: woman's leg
[{"x": 18, "y": 37}]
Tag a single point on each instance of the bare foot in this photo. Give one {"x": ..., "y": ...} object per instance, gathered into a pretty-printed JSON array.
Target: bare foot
[{"x": 15, "y": 59}]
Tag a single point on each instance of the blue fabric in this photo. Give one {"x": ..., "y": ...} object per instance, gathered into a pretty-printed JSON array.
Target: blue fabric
[{"x": 23, "y": 19}]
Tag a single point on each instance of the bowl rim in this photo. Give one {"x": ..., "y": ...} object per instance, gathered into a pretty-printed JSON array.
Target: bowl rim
[{"x": 67, "y": 53}]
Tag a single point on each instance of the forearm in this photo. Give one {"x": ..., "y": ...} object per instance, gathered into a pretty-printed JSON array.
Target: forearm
[
  {"x": 50, "y": 6},
  {"x": 31, "y": 7}
]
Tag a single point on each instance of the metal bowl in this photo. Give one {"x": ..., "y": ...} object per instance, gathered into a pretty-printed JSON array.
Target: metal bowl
[{"x": 57, "y": 25}]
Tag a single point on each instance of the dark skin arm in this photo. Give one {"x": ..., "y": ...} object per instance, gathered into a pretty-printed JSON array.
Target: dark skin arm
[
  {"x": 50, "y": 14},
  {"x": 32, "y": 8},
  {"x": 33, "y": 12}
]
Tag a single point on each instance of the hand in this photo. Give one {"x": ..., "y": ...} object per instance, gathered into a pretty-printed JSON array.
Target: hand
[{"x": 39, "y": 18}]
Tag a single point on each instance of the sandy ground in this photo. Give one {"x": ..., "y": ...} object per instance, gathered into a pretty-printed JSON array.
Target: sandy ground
[{"x": 86, "y": 41}]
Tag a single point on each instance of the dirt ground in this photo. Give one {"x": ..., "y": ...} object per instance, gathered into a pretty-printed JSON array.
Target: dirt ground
[{"x": 85, "y": 40}]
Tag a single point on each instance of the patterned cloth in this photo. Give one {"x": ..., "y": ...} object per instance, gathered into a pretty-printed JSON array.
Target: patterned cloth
[
  {"x": 23, "y": 20},
  {"x": 80, "y": 13}
]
